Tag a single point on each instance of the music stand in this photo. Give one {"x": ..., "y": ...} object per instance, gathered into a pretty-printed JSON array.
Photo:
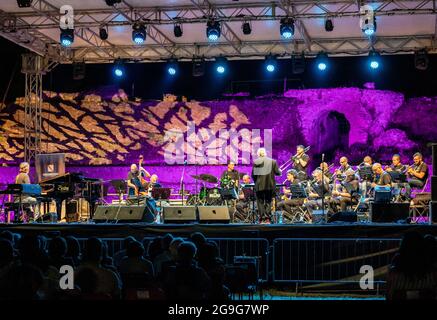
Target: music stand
[
  {"x": 120, "y": 186},
  {"x": 160, "y": 194},
  {"x": 398, "y": 177},
  {"x": 249, "y": 193},
  {"x": 366, "y": 173},
  {"x": 297, "y": 191}
]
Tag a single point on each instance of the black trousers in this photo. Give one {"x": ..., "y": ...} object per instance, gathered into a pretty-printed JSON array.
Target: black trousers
[{"x": 264, "y": 203}]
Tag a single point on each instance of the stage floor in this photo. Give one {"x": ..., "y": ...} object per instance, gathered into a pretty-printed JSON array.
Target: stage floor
[{"x": 267, "y": 231}]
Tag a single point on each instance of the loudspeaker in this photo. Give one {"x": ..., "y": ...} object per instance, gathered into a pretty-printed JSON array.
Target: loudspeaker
[
  {"x": 389, "y": 212},
  {"x": 124, "y": 214},
  {"x": 185, "y": 214},
  {"x": 433, "y": 211},
  {"x": 434, "y": 188},
  {"x": 343, "y": 216},
  {"x": 214, "y": 214}
]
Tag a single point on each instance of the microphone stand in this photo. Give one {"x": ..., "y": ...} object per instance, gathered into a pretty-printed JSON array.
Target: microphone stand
[
  {"x": 181, "y": 186},
  {"x": 323, "y": 190}
]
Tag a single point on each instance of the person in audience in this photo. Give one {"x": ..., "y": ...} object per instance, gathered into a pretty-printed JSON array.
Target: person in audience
[
  {"x": 134, "y": 262},
  {"x": 32, "y": 252},
  {"x": 74, "y": 252},
  {"x": 198, "y": 239},
  {"x": 186, "y": 281},
  {"x": 57, "y": 253},
  {"x": 412, "y": 275},
  {"x": 154, "y": 247},
  {"x": 108, "y": 282},
  {"x": 107, "y": 261},
  {"x": 23, "y": 282},
  {"x": 118, "y": 256},
  {"x": 173, "y": 248},
  {"x": 87, "y": 280},
  {"x": 6, "y": 256},
  {"x": 165, "y": 255}
]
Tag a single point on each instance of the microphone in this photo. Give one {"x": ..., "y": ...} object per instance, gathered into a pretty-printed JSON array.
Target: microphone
[{"x": 323, "y": 157}]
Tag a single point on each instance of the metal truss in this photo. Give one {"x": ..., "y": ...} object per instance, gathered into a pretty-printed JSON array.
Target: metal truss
[{"x": 31, "y": 24}]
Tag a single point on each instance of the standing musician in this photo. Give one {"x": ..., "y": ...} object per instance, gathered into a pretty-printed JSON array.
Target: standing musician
[
  {"x": 347, "y": 193},
  {"x": 382, "y": 178},
  {"x": 136, "y": 181},
  {"x": 301, "y": 160},
  {"x": 396, "y": 165},
  {"x": 231, "y": 175},
  {"x": 263, "y": 173},
  {"x": 316, "y": 191},
  {"x": 23, "y": 178},
  {"x": 418, "y": 172},
  {"x": 287, "y": 202}
]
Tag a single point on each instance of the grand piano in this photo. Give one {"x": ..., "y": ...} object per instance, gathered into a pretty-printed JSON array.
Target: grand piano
[{"x": 71, "y": 186}]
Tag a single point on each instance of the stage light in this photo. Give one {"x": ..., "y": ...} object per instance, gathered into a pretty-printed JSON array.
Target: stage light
[
  {"x": 247, "y": 29},
  {"x": 67, "y": 37},
  {"x": 367, "y": 20},
  {"x": 213, "y": 30},
  {"x": 374, "y": 60},
  {"x": 103, "y": 32},
  {"x": 421, "y": 60},
  {"x": 198, "y": 67},
  {"x": 286, "y": 28},
  {"x": 112, "y": 2},
  {"x": 270, "y": 63},
  {"x": 119, "y": 68},
  {"x": 322, "y": 61},
  {"x": 172, "y": 67},
  {"x": 139, "y": 33},
  {"x": 329, "y": 25},
  {"x": 177, "y": 30},
  {"x": 221, "y": 64},
  {"x": 24, "y": 3}
]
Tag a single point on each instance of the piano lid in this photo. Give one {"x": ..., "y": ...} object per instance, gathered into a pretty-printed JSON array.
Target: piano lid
[{"x": 69, "y": 177}]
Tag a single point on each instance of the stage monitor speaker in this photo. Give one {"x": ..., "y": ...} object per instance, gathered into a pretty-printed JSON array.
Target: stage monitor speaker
[
  {"x": 433, "y": 211},
  {"x": 186, "y": 214},
  {"x": 214, "y": 214},
  {"x": 343, "y": 216},
  {"x": 124, "y": 214},
  {"x": 434, "y": 188},
  {"x": 389, "y": 212}
]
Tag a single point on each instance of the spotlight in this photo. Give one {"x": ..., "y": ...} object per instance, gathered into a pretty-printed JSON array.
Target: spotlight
[
  {"x": 270, "y": 63},
  {"x": 247, "y": 29},
  {"x": 329, "y": 25},
  {"x": 118, "y": 68},
  {"x": 103, "y": 32},
  {"x": 177, "y": 30},
  {"x": 221, "y": 64},
  {"x": 67, "y": 37},
  {"x": 421, "y": 60},
  {"x": 374, "y": 59},
  {"x": 24, "y": 3},
  {"x": 198, "y": 67},
  {"x": 172, "y": 67},
  {"x": 213, "y": 30},
  {"x": 322, "y": 61},
  {"x": 286, "y": 28},
  {"x": 138, "y": 33},
  {"x": 112, "y": 2},
  {"x": 367, "y": 20}
]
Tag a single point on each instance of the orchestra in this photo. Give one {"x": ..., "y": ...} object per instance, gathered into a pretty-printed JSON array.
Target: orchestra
[{"x": 259, "y": 194}]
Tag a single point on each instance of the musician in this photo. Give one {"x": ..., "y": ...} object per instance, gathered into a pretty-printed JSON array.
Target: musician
[
  {"x": 263, "y": 174},
  {"x": 301, "y": 160},
  {"x": 154, "y": 182},
  {"x": 418, "y": 172},
  {"x": 242, "y": 202},
  {"x": 347, "y": 194},
  {"x": 317, "y": 190},
  {"x": 135, "y": 181},
  {"x": 396, "y": 165},
  {"x": 367, "y": 161},
  {"x": 325, "y": 167},
  {"x": 23, "y": 178},
  {"x": 231, "y": 174},
  {"x": 287, "y": 203},
  {"x": 382, "y": 178},
  {"x": 344, "y": 166}
]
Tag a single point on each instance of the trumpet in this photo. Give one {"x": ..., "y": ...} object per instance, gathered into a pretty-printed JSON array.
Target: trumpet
[{"x": 288, "y": 163}]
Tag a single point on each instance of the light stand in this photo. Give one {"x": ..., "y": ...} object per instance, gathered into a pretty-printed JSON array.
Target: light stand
[{"x": 323, "y": 190}]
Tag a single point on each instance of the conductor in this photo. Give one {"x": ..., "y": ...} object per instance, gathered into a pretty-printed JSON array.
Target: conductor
[{"x": 263, "y": 174}]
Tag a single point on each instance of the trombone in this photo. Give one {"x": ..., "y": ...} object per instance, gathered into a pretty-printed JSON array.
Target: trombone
[{"x": 288, "y": 163}]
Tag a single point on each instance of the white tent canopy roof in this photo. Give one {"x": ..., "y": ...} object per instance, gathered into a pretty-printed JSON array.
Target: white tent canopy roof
[{"x": 402, "y": 26}]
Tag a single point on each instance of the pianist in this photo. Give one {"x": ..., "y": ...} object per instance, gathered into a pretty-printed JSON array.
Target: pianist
[{"x": 23, "y": 178}]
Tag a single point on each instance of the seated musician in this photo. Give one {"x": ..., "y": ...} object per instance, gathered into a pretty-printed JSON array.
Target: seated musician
[
  {"x": 396, "y": 165},
  {"x": 23, "y": 178},
  {"x": 347, "y": 193},
  {"x": 316, "y": 191},
  {"x": 301, "y": 161},
  {"x": 135, "y": 182},
  {"x": 344, "y": 166},
  {"x": 230, "y": 175},
  {"x": 325, "y": 167},
  {"x": 243, "y": 203},
  {"x": 382, "y": 178},
  {"x": 287, "y": 202},
  {"x": 367, "y": 161},
  {"x": 418, "y": 172},
  {"x": 154, "y": 182}
]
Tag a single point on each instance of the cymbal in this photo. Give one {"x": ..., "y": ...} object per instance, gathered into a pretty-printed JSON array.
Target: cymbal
[
  {"x": 196, "y": 177},
  {"x": 208, "y": 178}
]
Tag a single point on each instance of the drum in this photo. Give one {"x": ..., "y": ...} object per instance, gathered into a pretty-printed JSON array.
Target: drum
[
  {"x": 213, "y": 196},
  {"x": 226, "y": 183},
  {"x": 203, "y": 193}
]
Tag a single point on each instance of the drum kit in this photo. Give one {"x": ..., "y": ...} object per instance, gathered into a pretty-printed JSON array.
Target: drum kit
[{"x": 214, "y": 193}]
